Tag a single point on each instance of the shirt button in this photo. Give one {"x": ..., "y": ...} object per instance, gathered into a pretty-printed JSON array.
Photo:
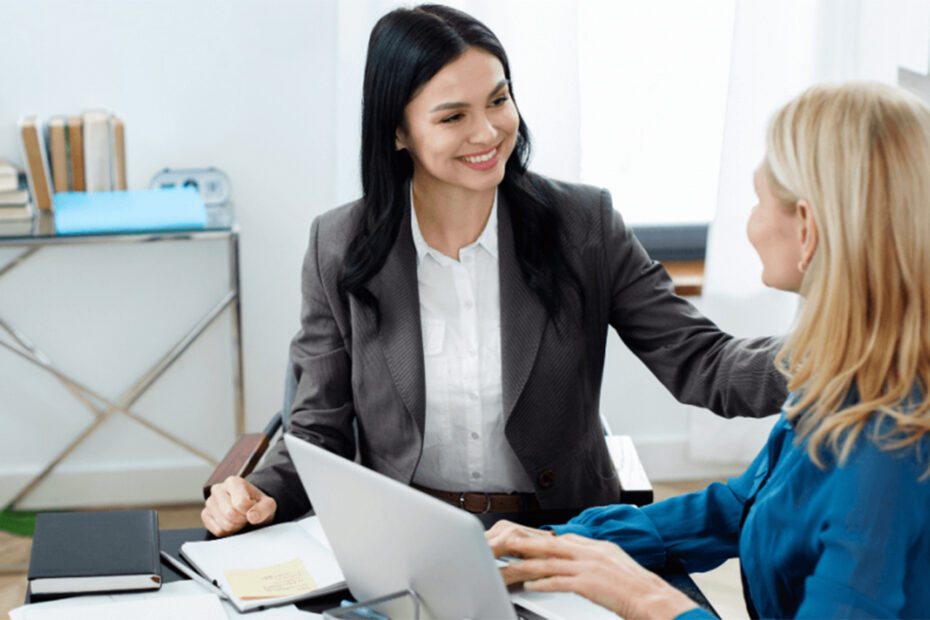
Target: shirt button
[
  {"x": 475, "y": 475},
  {"x": 474, "y": 435},
  {"x": 469, "y": 305}
]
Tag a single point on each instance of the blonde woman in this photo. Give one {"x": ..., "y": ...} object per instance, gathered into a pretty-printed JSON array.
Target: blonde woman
[{"x": 831, "y": 519}]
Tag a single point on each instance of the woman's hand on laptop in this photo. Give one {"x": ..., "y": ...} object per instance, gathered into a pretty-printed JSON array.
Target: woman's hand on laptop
[
  {"x": 598, "y": 570},
  {"x": 499, "y": 536},
  {"x": 235, "y": 503}
]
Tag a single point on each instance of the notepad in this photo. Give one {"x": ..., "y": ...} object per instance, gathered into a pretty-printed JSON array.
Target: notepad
[
  {"x": 284, "y": 579},
  {"x": 175, "y": 208},
  {"x": 260, "y": 553}
]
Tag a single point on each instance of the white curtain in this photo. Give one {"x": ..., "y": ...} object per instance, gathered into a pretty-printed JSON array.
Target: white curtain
[{"x": 780, "y": 48}]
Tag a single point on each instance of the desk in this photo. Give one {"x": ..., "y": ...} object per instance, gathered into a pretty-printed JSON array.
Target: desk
[
  {"x": 89, "y": 324},
  {"x": 171, "y": 541},
  {"x": 674, "y": 573}
]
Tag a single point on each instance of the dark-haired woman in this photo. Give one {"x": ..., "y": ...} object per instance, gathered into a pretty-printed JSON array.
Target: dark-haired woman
[{"x": 458, "y": 312}]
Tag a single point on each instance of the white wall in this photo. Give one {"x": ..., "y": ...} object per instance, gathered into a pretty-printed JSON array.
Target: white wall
[
  {"x": 243, "y": 86},
  {"x": 252, "y": 88}
]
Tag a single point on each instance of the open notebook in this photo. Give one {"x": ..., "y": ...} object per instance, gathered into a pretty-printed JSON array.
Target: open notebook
[{"x": 223, "y": 560}]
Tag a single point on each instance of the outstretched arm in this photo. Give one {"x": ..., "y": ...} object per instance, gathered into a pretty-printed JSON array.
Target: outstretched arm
[{"x": 697, "y": 362}]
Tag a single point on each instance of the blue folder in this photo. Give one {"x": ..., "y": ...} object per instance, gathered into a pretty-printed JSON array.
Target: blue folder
[{"x": 175, "y": 208}]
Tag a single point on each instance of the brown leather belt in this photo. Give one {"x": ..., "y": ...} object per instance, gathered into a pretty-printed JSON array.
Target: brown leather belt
[{"x": 475, "y": 501}]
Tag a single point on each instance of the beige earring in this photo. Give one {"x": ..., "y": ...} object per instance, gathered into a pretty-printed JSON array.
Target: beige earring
[{"x": 802, "y": 265}]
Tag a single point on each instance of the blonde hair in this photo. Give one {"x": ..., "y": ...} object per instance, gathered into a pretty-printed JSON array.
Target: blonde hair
[{"x": 860, "y": 154}]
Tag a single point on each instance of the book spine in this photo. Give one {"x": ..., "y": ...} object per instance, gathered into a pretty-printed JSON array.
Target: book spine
[
  {"x": 97, "y": 152},
  {"x": 36, "y": 169},
  {"x": 118, "y": 149},
  {"x": 58, "y": 153},
  {"x": 76, "y": 152}
]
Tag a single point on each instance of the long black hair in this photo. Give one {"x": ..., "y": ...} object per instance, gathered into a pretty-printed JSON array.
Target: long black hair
[{"x": 406, "y": 49}]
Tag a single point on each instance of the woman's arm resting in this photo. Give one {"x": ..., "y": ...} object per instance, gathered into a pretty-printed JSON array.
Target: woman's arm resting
[
  {"x": 323, "y": 409},
  {"x": 699, "y": 529}
]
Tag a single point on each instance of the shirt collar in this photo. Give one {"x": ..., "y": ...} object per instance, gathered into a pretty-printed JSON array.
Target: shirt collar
[{"x": 487, "y": 239}]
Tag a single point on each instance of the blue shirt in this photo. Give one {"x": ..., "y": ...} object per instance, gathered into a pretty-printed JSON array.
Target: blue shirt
[{"x": 849, "y": 541}]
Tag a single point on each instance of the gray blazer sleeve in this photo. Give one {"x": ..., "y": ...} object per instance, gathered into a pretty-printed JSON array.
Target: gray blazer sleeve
[
  {"x": 323, "y": 407},
  {"x": 690, "y": 355}
]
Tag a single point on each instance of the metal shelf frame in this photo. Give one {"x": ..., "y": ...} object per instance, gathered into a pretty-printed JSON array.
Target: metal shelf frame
[{"x": 220, "y": 226}]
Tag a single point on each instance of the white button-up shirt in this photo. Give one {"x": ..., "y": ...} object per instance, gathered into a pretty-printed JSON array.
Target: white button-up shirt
[{"x": 464, "y": 447}]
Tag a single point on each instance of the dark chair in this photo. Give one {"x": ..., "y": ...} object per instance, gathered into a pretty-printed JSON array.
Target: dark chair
[{"x": 243, "y": 457}]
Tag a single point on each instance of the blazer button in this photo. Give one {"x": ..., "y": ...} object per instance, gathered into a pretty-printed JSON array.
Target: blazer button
[{"x": 546, "y": 479}]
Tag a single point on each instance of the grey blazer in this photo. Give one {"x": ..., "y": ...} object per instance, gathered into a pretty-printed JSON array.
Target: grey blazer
[{"x": 348, "y": 369}]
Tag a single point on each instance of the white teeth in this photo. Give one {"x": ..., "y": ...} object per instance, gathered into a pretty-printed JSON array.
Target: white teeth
[{"x": 481, "y": 158}]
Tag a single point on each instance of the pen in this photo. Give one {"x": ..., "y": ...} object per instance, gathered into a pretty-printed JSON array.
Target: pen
[{"x": 193, "y": 575}]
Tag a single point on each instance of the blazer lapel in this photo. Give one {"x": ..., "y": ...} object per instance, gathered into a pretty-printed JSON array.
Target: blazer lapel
[
  {"x": 397, "y": 291},
  {"x": 523, "y": 317}
]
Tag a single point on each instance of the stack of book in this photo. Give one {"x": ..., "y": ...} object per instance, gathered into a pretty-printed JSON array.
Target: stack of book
[
  {"x": 79, "y": 153},
  {"x": 15, "y": 208},
  {"x": 14, "y": 198}
]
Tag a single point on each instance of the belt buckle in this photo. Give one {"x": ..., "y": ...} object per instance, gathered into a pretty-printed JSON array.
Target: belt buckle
[{"x": 487, "y": 505}]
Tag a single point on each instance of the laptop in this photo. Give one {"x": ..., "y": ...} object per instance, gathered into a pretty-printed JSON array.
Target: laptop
[{"x": 389, "y": 537}]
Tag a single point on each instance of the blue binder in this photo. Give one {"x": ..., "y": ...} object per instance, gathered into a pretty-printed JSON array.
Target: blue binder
[{"x": 175, "y": 208}]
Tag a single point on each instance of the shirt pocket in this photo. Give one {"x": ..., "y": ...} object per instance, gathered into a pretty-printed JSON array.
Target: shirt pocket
[{"x": 434, "y": 337}]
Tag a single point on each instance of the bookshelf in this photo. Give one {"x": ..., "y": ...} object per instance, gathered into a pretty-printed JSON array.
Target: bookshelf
[{"x": 120, "y": 361}]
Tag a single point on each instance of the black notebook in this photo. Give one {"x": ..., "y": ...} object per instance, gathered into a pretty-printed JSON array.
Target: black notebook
[{"x": 95, "y": 552}]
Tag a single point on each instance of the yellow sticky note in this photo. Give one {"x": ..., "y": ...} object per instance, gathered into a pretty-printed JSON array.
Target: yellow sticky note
[{"x": 287, "y": 579}]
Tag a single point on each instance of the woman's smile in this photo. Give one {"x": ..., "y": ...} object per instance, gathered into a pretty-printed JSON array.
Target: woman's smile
[{"x": 484, "y": 160}]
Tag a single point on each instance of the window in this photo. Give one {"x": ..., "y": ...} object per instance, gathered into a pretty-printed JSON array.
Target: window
[{"x": 654, "y": 78}]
